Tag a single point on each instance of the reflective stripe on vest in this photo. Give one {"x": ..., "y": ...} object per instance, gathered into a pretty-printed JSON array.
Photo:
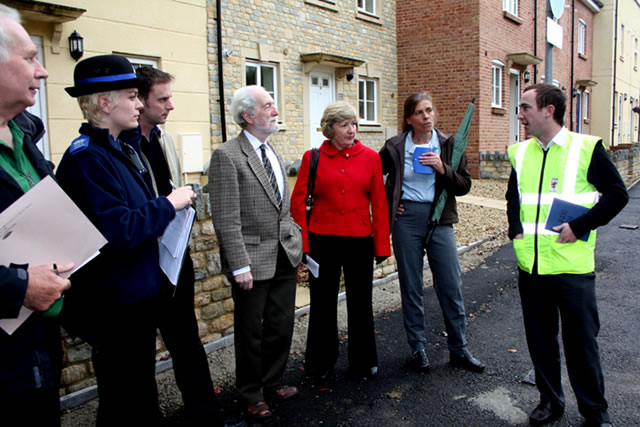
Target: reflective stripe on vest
[{"x": 565, "y": 177}]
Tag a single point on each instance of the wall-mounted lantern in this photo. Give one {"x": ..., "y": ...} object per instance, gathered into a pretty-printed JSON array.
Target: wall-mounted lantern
[{"x": 75, "y": 45}]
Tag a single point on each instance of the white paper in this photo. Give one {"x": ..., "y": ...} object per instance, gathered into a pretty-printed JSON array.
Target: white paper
[
  {"x": 44, "y": 226},
  {"x": 174, "y": 242},
  {"x": 312, "y": 265}
]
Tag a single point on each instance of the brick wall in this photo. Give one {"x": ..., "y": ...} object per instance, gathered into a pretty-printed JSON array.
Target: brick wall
[{"x": 447, "y": 47}]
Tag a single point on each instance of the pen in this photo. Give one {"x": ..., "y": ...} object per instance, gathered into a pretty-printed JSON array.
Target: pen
[
  {"x": 173, "y": 186},
  {"x": 55, "y": 269}
]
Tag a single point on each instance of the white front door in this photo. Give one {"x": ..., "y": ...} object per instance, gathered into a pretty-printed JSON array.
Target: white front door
[
  {"x": 320, "y": 95},
  {"x": 514, "y": 105},
  {"x": 40, "y": 107}
]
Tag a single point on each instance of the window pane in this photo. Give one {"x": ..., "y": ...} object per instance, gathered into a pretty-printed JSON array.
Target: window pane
[
  {"x": 371, "y": 91},
  {"x": 268, "y": 79},
  {"x": 371, "y": 111},
  {"x": 370, "y": 6},
  {"x": 251, "y": 75},
  {"x": 361, "y": 92}
]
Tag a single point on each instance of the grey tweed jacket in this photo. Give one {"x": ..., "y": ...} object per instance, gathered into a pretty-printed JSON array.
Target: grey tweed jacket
[{"x": 246, "y": 216}]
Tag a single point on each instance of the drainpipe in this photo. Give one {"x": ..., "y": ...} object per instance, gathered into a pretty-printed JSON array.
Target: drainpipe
[
  {"x": 223, "y": 120},
  {"x": 535, "y": 40},
  {"x": 573, "y": 57},
  {"x": 615, "y": 63}
]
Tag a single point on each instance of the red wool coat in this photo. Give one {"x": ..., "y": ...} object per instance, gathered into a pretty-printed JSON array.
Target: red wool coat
[{"x": 349, "y": 196}]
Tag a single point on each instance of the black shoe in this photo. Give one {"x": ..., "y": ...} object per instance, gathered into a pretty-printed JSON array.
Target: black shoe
[
  {"x": 589, "y": 423},
  {"x": 369, "y": 373},
  {"x": 467, "y": 361},
  {"x": 321, "y": 375},
  {"x": 419, "y": 361},
  {"x": 545, "y": 413}
]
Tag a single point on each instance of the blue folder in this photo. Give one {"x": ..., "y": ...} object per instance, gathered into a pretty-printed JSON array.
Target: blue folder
[
  {"x": 417, "y": 166},
  {"x": 562, "y": 211}
]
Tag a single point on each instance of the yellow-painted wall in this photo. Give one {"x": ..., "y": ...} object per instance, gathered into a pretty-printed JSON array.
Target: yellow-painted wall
[{"x": 170, "y": 31}]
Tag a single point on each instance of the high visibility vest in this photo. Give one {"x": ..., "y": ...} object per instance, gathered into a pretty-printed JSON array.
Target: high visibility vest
[{"x": 560, "y": 173}]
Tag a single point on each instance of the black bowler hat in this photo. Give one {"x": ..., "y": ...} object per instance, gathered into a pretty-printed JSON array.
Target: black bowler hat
[{"x": 101, "y": 74}]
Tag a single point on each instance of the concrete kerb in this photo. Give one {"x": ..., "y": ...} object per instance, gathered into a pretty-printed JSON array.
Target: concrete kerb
[{"x": 84, "y": 395}]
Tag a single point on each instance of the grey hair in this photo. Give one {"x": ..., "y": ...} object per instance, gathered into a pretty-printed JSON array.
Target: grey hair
[
  {"x": 244, "y": 101},
  {"x": 6, "y": 39}
]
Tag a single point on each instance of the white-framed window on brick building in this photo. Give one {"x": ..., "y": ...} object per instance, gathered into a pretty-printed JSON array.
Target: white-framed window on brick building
[
  {"x": 582, "y": 37},
  {"x": 368, "y": 100},
  {"x": 263, "y": 74},
  {"x": 510, "y": 6},
  {"x": 497, "y": 70},
  {"x": 585, "y": 105}
]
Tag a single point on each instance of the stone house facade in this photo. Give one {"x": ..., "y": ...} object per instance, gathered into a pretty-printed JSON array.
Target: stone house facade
[{"x": 306, "y": 53}]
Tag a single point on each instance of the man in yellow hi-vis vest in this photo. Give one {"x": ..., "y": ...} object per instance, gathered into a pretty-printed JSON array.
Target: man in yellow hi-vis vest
[{"x": 556, "y": 267}]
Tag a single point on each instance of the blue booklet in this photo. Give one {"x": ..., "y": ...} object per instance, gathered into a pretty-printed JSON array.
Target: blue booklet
[
  {"x": 417, "y": 166},
  {"x": 562, "y": 211}
]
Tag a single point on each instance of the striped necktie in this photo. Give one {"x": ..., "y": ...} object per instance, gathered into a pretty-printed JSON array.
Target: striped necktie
[{"x": 270, "y": 173}]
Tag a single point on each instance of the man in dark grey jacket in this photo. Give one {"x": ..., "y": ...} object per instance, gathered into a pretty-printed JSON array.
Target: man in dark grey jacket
[{"x": 30, "y": 357}]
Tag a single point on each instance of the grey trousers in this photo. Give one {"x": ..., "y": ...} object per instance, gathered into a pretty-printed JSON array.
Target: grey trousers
[{"x": 409, "y": 235}]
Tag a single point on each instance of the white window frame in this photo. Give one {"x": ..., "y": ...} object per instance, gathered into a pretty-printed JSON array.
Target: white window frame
[
  {"x": 510, "y": 6},
  {"x": 585, "y": 105},
  {"x": 631, "y": 117},
  {"x": 582, "y": 36},
  {"x": 259, "y": 65},
  {"x": 364, "y": 7},
  {"x": 497, "y": 72},
  {"x": 622, "y": 42},
  {"x": 138, "y": 61},
  {"x": 366, "y": 102}
]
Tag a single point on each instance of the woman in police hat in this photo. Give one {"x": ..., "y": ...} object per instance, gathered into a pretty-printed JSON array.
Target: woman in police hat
[{"x": 114, "y": 301}]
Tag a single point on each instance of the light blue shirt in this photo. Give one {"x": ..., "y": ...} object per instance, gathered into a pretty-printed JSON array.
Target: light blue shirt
[{"x": 418, "y": 187}]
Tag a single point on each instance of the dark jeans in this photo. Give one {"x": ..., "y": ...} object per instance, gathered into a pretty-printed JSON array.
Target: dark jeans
[
  {"x": 334, "y": 254},
  {"x": 263, "y": 327},
  {"x": 409, "y": 236},
  {"x": 569, "y": 300},
  {"x": 179, "y": 329}
]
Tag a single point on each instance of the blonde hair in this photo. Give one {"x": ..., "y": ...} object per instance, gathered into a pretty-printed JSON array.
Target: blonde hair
[
  {"x": 334, "y": 113},
  {"x": 90, "y": 108}
]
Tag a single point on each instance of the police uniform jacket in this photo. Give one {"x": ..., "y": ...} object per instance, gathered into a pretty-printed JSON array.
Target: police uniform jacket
[{"x": 119, "y": 200}]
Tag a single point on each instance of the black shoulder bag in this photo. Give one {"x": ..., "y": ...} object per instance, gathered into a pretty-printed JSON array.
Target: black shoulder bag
[{"x": 313, "y": 166}]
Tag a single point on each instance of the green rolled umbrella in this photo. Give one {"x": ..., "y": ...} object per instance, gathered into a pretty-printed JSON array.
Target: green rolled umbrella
[{"x": 459, "y": 145}]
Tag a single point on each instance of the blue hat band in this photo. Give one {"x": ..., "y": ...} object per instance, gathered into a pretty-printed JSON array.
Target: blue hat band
[{"x": 113, "y": 78}]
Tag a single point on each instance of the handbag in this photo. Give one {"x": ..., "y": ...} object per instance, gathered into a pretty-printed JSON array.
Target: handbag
[{"x": 311, "y": 182}]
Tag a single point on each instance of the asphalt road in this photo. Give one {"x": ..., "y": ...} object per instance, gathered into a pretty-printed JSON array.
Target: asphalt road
[{"x": 451, "y": 397}]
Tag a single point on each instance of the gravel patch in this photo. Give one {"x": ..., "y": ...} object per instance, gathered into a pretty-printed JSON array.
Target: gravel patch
[{"x": 479, "y": 222}]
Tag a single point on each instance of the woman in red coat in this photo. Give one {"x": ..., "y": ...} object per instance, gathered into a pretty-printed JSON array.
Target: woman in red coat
[{"x": 349, "y": 226}]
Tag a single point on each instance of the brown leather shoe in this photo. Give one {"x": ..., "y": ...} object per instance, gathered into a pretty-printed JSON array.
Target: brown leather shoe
[
  {"x": 544, "y": 413},
  {"x": 259, "y": 410},
  {"x": 283, "y": 392}
]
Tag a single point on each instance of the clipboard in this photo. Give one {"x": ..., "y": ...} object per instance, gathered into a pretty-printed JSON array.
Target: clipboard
[{"x": 42, "y": 227}]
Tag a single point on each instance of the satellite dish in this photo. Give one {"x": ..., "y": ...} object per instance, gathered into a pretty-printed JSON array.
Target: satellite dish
[{"x": 557, "y": 8}]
